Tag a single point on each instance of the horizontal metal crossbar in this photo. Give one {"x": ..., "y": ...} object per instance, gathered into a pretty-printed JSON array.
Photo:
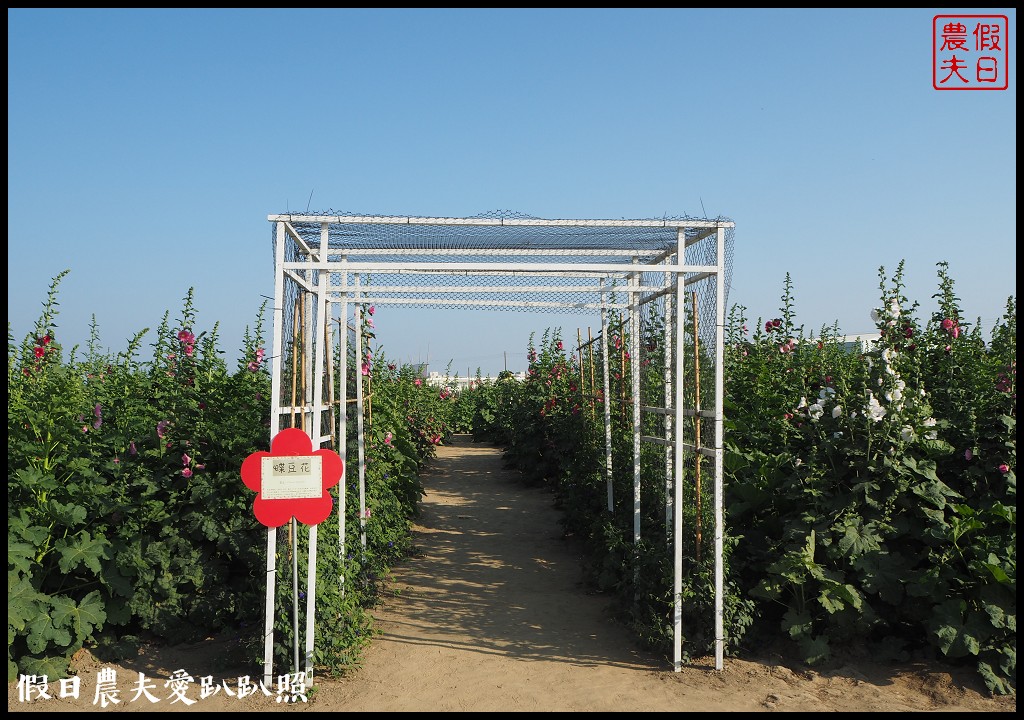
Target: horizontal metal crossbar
[
  {"x": 335, "y": 296},
  {"x": 508, "y": 222},
  {"x": 484, "y": 268}
]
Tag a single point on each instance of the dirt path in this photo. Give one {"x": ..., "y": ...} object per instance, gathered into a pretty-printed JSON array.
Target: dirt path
[{"x": 490, "y": 616}]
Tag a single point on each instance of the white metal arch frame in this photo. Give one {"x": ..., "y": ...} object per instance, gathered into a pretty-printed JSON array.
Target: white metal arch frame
[{"x": 324, "y": 263}]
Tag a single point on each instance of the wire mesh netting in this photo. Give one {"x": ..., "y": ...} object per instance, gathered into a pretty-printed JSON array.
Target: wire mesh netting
[{"x": 500, "y": 260}]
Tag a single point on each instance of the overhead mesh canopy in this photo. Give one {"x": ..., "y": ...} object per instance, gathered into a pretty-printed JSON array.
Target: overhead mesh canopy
[{"x": 520, "y": 262}]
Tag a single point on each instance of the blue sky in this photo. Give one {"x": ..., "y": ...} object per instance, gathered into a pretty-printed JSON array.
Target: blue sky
[{"x": 146, "y": 149}]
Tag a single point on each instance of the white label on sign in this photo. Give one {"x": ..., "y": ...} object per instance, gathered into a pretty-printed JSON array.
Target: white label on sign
[{"x": 292, "y": 477}]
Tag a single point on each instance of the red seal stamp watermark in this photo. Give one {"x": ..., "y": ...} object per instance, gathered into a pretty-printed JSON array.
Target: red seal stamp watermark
[{"x": 970, "y": 52}]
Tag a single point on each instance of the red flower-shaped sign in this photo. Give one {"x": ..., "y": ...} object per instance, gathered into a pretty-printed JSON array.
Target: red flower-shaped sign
[{"x": 292, "y": 480}]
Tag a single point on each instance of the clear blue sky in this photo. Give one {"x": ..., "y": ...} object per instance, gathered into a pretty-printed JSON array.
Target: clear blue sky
[{"x": 147, "y": 147}]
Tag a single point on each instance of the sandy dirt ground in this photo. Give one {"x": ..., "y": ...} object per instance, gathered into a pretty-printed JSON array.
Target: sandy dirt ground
[{"x": 490, "y": 616}]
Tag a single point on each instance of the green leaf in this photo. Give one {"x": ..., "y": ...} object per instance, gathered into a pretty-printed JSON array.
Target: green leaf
[
  {"x": 21, "y": 556},
  {"x": 884, "y": 574},
  {"x": 935, "y": 492},
  {"x": 960, "y": 633},
  {"x": 83, "y": 550},
  {"x": 35, "y": 534},
  {"x": 857, "y": 539},
  {"x": 40, "y": 632},
  {"x": 53, "y": 666},
  {"x": 83, "y": 618},
  {"x": 69, "y": 514},
  {"x": 24, "y": 602},
  {"x": 996, "y": 615},
  {"x": 797, "y": 624},
  {"x": 815, "y": 650}
]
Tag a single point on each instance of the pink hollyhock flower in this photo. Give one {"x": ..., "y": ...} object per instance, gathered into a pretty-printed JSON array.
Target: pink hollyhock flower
[
  {"x": 366, "y": 513},
  {"x": 417, "y": 382},
  {"x": 1004, "y": 468},
  {"x": 161, "y": 428},
  {"x": 371, "y": 309},
  {"x": 956, "y": 331},
  {"x": 968, "y": 454},
  {"x": 260, "y": 354},
  {"x": 947, "y": 324},
  {"x": 186, "y": 337},
  {"x": 387, "y": 438},
  {"x": 186, "y": 473},
  {"x": 189, "y": 349},
  {"x": 131, "y": 448},
  {"x": 366, "y": 368},
  {"x": 253, "y": 366},
  {"x": 185, "y": 459}
]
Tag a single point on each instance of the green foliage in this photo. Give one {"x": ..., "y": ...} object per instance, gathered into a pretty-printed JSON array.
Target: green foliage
[
  {"x": 876, "y": 490},
  {"x": 127, "y": 515}
]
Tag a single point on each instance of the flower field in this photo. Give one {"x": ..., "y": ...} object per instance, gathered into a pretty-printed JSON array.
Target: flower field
[{"x": 870, "y": 497}]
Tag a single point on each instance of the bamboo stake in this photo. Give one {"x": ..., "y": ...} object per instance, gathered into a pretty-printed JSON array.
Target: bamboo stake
[
  {"x": 295, "y": 356},
  {"x": 696, "y": 420},
  {"x": 622, "y": 372},
  {"x": 330, "y": 378},
  {"x": 590, "y": 354},
  {"x": 579, "y": 352}
]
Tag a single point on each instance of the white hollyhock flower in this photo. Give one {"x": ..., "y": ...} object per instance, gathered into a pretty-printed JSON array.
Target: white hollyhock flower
[
  {"x": 837, "y": 411},
  {"x": 874, "y": 410}
]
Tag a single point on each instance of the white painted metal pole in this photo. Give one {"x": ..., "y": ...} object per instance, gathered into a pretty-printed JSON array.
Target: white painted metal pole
[
  {"x": 677, "y": 531},
  {"x": 275, "y": 425},
  {"x": 719, "y": 454},
  {"x": 343, "y": 429},
  {"x": 606, "y": 403},
  {"x": 358, "y": 320},
  {"x": 319, "y": 342},
  {"x": 668, "y": 340},
  {"x": 268, "y": 626},
  {"x": 634, "y": 372}
]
